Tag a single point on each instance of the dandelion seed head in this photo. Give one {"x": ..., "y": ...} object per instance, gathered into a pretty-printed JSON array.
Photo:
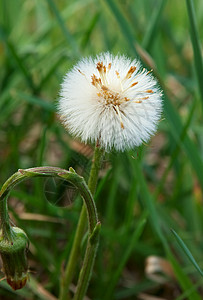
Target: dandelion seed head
[{"x": 110, "y": 99}]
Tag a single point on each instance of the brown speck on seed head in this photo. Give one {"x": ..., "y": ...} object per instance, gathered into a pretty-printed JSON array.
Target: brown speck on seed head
[
  {"x": 96, "y": 81},
  {"x": 101, "y": 67},
  {"x": 110, "y": 97},
  {"x": 134, "y": 83},
  {"x": 117, "y": 74},
  {"x": 149, "y": 71},
  {"x": 104, "y": 88},
  {"x": 105, "y": 94},
  {"x": 130, "y": 72},
  {"x": 81, "y": 72}
]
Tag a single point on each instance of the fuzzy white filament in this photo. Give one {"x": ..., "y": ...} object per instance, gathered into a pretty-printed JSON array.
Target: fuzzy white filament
[{"x": 112, "y": 100}]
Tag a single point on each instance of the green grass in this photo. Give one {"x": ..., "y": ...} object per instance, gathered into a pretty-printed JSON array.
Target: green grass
[{"x": 142, "y": 194}]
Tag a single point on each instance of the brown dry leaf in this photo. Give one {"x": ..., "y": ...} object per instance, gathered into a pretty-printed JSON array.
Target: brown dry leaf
[
  {"x": 158, "y": 269},
  {"x": 181, "y": 222},
  {"x": 55, "y": 151},
  {"x": 73, "y": 289},
  {"x": 149, "y": 297},
  {"x": 197, "y": 192},
  {"x": 39, "y": 217},
  {"x": 145, "y": 56},
  {"x": 81, "y": 148},
  {"x": 31, "y": 138},
  {"x": 38, "y": 288},
  {"x": 175, "y": 88}
]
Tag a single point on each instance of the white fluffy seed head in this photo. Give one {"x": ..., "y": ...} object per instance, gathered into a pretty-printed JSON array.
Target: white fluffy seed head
[{"x": 112, "y": 100}]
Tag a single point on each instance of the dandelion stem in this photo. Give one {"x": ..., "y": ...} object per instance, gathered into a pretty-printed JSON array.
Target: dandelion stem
[
  {"x": 92, "y": 244},
  {"x": 4, "y": 220}
]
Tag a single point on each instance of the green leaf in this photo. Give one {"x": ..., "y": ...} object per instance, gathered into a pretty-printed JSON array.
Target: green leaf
[
  {"x": 19, "y": 61},
  {"x": 69, "y": 37},
  {"x": 131, "y": 244},
  {"x": 187, "y": 252},
  {"x": 48, "y": 106},
  {"x": 124, "y": 25},
  {"x": 189, "y": 147},
  {"x": 152, "y": 27},
  {"x": 196, "y": 45}
]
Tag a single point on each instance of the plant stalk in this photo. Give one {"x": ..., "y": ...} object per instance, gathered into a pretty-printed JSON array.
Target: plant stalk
[
  {"x": 91, "y": 247},
  {"x": 90, "y": 208},
  {"x": 6, "y": 232}
]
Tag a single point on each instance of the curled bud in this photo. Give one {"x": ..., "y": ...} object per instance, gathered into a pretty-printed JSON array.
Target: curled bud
[{"x": 14, "y": 258}]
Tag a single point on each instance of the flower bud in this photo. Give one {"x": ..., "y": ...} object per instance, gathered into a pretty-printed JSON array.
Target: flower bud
[{"x": 14, "y": 258}]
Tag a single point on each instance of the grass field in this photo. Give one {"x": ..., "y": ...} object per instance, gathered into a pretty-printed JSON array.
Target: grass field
[{"x": 150, "y": 199}]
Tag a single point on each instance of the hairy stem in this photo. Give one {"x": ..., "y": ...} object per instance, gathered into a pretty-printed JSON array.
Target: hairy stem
[
  {"x": 4, "y": 220},
  {"x": 85, "y": 273},
  {"x": 70, "y": 176}
]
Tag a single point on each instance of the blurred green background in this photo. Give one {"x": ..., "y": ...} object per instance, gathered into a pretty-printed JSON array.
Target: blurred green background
[{"x": 160, "y": 183}]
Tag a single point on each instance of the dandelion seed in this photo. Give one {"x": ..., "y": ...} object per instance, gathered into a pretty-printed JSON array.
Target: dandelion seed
[{"x": 111, "y": 99}]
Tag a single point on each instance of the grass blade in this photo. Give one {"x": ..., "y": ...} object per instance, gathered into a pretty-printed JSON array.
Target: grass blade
[
  {"x": 188, "y": 146},
  {"x": 37, "y": 101},
  {"x": 64, "y": 29},
  {"x": 187, "y": 252},
  {"x": 87, "y": 35},
  {"x": 18, "y": 60},
  {"x": 184, "y": 281},
  {"x": 151, "y": 31},
  {"x": 51, "y": 72},
  {"x": 148, "y": 203},
  {"x": 124, "y": 26},
  {"x": 196, "y": 45},
  {"x": 176, "y": 151},
  {"x": 135, "y": 237}
]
